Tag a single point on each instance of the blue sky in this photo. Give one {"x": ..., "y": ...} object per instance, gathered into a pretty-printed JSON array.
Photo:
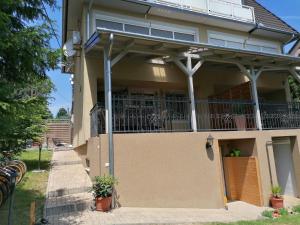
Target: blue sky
[{"x": 288, "y": 10}]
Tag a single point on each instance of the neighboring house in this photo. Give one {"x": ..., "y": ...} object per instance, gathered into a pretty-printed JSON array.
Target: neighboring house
[
  {"x": 163, "y": 90},
  {"x": 295, "y": 50}
]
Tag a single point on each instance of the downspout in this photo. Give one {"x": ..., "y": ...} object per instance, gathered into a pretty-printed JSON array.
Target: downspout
[{"x": 109, "y": 101}]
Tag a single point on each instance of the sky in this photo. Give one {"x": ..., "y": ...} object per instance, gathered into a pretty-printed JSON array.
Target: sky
[{"x": 288, "y": 10}]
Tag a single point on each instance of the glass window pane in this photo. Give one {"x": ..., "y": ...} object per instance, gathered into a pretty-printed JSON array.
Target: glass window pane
[
  {"x": 136, "y": 29},
  {"x": 109, "y": 25},
  {"x": 184, "y": 37},
  {"x": 161, "y": 33}
]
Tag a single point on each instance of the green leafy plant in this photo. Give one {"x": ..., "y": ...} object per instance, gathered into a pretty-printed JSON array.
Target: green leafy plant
[
  {"x": 103, "y": 186},
  {"x": 235, "y": 152},
  {"x": 296, "y": 208},
  {"x": 267, "y": 213},
  {"x": 276, "y": 191},
  {"x": 283, "y": 212}
]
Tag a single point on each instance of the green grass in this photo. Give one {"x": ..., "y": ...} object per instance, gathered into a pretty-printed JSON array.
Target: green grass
[
  {"x": 284, "y": 220},
  {"x": 32, "y": 188}
]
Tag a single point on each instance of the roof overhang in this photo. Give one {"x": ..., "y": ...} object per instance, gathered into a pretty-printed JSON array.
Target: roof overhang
[{"x": 134, "y": 43}]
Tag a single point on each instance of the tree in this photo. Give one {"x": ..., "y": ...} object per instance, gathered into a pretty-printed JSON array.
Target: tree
[
  {"x": 25, "y": 57},
  {"x": 62, "y": 114},
  {"x": 295, "y": 88}
]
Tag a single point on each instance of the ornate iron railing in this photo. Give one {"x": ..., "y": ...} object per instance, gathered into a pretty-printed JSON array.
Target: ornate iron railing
[
  {"x": 152, "y": 114},
  {"x": 225, "y": 115},
  {"x": 280, "y": 115},
  {"x": 143, "y": 115}
]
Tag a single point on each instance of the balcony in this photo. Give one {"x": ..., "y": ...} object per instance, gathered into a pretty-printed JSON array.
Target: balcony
[
  {"x": 218, "y": 8},
  {"x": 148, "y": 115}
]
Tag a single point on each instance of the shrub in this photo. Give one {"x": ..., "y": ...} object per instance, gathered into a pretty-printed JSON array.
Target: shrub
[
  {"x": 268, "y": 214},
  {"x": 103, "y": 186},
  {"x": 296, "y": 208},
  {"x": 283, "y": 212}
]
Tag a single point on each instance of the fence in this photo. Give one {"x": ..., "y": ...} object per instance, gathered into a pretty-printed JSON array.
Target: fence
[
  {"x": 280, "y": 115},
  {"x": 225, "y": 115},
  {"x": 141, "y": 114}
]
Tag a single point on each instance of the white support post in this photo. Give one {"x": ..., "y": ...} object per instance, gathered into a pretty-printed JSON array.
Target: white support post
[
  {"x": 254, "y": 77},
  {"x": 191, "y": 94},
  {"x": 190, "y": 71}
]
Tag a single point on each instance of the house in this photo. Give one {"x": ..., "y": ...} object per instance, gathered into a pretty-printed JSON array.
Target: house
[
  {"x": 165, "y": 92},
  {"x": 295, "y": 50}
]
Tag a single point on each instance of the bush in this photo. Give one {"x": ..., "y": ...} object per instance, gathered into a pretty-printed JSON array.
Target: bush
[
  {"x": 296, "y": 208},
  {"x": 103, "y": 186},
  {"x": 283, "y": 212},
  {"x": 268, "y": 214}
]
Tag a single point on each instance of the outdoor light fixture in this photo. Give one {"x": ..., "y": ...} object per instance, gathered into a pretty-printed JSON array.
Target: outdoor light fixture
[{"x": 209, "y": 142}]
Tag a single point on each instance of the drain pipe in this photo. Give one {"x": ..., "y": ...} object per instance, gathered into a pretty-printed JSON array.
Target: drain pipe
[{"x": 108, "y": 54}]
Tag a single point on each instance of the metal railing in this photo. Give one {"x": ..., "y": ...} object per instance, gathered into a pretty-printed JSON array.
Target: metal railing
[
  {"x": 143, "y": 115},
  {"x": 220, "y": 8},
  {"x": 225, "y": 115},
  {"x": 280, "y": 115}
]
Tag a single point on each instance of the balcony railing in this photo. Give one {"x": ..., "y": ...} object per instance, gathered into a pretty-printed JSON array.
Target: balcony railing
[
  {"x": 143, "y": 114},
  {"x": 153, "y": 114},
  {"x": 280, "y": 116},
  {"x": 220, "y": 8},
  {"x": 225, "y": 115}
]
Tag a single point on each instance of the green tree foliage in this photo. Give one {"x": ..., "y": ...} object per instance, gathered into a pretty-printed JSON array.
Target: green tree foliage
[
  {"x": 25, "y": 57},
  {"x": 295, "y": 88},
  {"x": 62, "y": 114}
]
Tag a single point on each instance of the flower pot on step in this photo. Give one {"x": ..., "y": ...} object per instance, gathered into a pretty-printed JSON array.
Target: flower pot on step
[
  {"x": 103, "y": 204},
  {"x": 276, "y": 203}
]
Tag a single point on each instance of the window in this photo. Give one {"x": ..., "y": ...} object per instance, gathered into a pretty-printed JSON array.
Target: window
[
  {"x": 184, "y": 37},
  {"x": 146, "y": 27},
  {"x": 242, "y": 42},
  {"x": 217, "y": 42},
  {"x": 136, "y": 29},
  {"x": 109, "y": 25},
  {"x": 161, "y": 33}
]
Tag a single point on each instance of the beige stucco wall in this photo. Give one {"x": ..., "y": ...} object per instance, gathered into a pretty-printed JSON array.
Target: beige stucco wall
[{"x": 176, "y": 170}]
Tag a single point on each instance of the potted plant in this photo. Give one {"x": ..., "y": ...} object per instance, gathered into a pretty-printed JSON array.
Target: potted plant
[
  {"x": 276, "y": 198},
  {"x": 102, "y": 190},
  {"x": 239, "y": 116}
]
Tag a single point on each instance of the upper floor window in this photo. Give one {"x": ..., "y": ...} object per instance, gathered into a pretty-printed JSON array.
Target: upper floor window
[
  {"x": 239, "y": 42},
  {"x": 146, "y": 27}
]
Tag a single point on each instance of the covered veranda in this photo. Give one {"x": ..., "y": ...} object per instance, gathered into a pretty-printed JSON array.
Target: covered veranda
[{"x": 189, "y": 57}]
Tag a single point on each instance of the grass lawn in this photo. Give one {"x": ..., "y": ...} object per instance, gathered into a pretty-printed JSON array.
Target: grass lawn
[
  {"x": 284, "y": 220},
  {"x": 32, "y": 188}
]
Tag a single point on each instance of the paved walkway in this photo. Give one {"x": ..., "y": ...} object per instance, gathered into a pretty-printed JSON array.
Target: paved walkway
[{"x": 68, "y": 202}]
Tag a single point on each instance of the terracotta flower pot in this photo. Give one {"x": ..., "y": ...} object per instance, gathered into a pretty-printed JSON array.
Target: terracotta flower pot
[
  {"x": 240, "y": 122},
  {"x": 277, "y": 203},
  {"x": 103, "y": 204}
]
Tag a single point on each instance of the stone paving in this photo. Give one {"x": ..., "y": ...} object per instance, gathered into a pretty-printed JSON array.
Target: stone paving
[{"x": 69, "y": 202}]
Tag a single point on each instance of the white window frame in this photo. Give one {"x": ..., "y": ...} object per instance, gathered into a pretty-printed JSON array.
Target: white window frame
[
  {"x": 119, "y": 18},
  {"x": 244, "y": 40}
]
